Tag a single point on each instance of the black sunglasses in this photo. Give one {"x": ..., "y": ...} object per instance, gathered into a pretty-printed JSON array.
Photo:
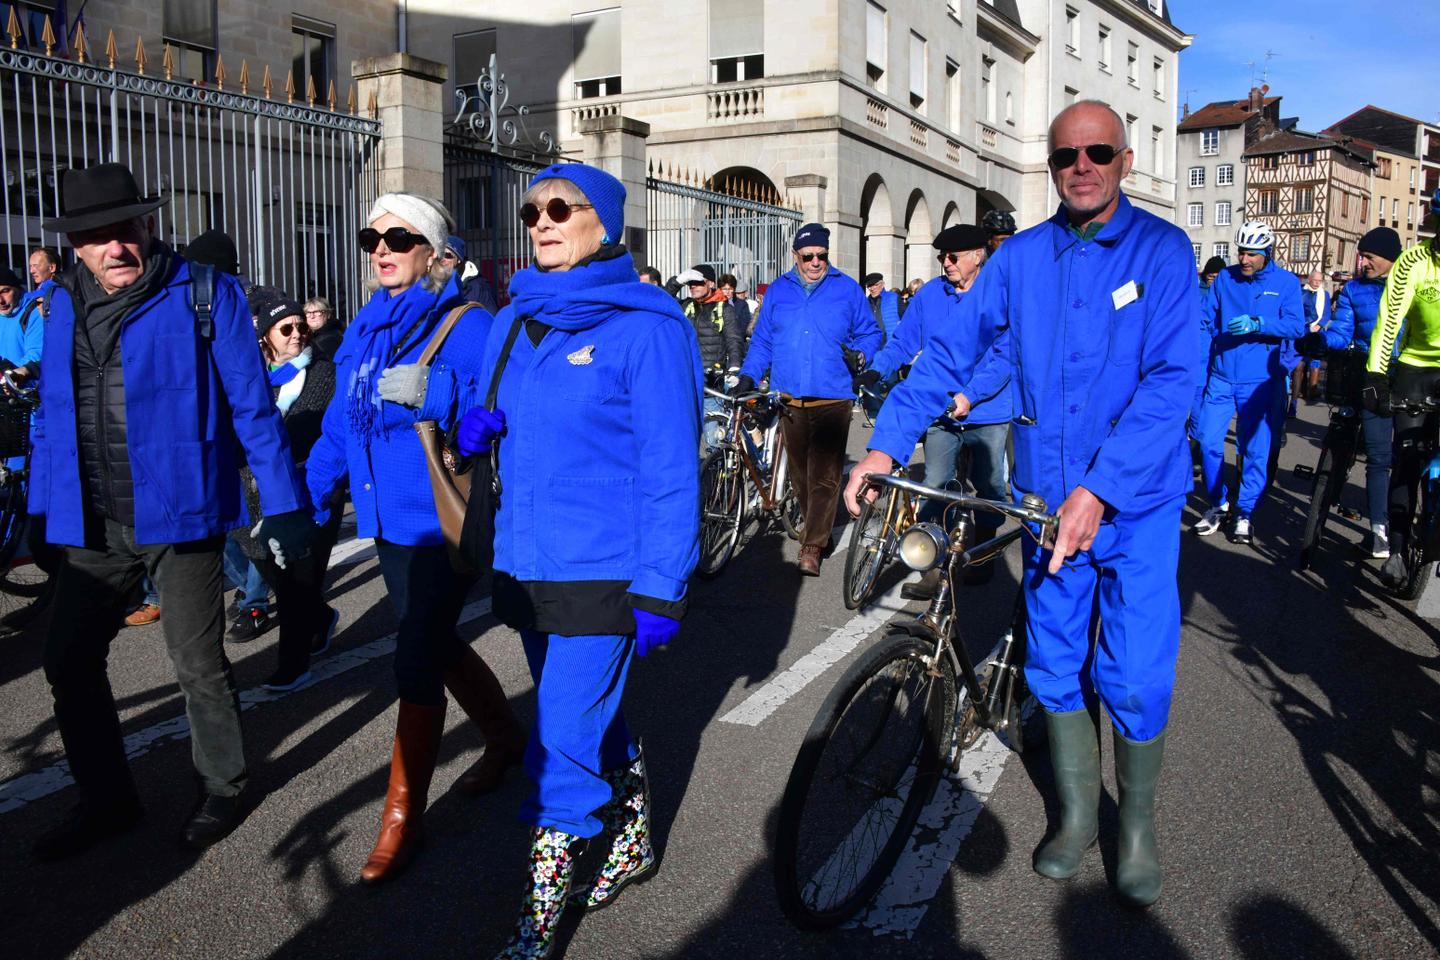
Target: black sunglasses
[
  {"x": 1100, "y": 154},
  {"x": 397, "y": 239},
  {"x": 288, "y": 328},
  {"x": 556, "y": 209},
  {"x": 823, "y": 257}
]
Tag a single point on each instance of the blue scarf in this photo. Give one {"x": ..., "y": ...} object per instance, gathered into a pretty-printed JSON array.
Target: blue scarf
[
  {"x": 287, "y": 371},
  {"x": 587, "y": 294},
  {"x": 373, "y": 335}
]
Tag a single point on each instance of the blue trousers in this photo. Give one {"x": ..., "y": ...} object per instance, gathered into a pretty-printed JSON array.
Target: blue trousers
[
  {"x": 579, "y": 732},
  {"x": 988, "y": 468},
  {"x": 1198, "y": 404},
  {"x": 245, "y": 577},
  {"x": 1379, "y": 438},
  {"x": 1252, "y": 406},
  {"x": 1127, "y": 656}
]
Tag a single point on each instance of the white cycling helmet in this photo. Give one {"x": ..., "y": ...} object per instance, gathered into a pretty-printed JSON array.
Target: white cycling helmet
[{"x": 1254, "y": 235}]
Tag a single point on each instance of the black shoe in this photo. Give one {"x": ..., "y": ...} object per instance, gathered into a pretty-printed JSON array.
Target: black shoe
[
  {"x": 283, "y": 681},
  {"x": 321, "y": 641},
  {"x": 213, "y": 820},
  {"x": 252, "y": 622},
  {"x": 84, "y": 827},
  {"x": 1393, "y": 572},
  {"x": 923, "y": 589}
]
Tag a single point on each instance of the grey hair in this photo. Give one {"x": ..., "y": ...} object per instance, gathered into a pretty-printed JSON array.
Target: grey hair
[
  {"x": 321, "y": 304},
  {"x": 557, "y": 186},
  {"x": 1124, "y": 143}
]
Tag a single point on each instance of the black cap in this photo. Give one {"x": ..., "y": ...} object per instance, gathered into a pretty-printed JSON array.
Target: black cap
[
  {"x": 962, "y": 236},
  {"x": 1214, "y": 265},
  {"x": 215, "y": 248},
  {"x": 873, "y": 278},
  {"x": 9, "y": 278},
  {"x": 270, "y": 305},
  {"x": 705, "y": 270},
  {"x": 1383, "y": 242}
]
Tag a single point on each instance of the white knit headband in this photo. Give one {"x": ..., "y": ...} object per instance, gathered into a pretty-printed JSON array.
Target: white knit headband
[{"x": 427, "y": 216}]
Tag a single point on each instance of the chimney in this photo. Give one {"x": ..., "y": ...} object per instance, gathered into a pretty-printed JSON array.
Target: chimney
[
  {"x": 1186, "y": 114},
  {"x": 1257, "y": 99}
]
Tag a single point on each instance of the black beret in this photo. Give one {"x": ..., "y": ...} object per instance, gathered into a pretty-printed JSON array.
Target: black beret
[
  {"x": 873, "y": 278},
  {"x": 215, "y": 248},
  {"x": 962, "y": 236}
]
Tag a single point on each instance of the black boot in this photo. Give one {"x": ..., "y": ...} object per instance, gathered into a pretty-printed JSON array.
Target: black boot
[
  {"x": 214, "y": 819},
  {"x": 925, "y": 588},
  {"x": 1075, "y": 757},
  {"x": 85, "y": 826},
  {"x": 1137, "y": 771}
]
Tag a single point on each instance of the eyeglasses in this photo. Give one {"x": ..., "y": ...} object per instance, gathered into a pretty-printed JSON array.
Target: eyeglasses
[
  {"x": 449, "y": 255},
  {"x": 288, "y": 328},
  {"x": 823, "y": 256},
  {"x": 397, "y": 240},
  {"x": 1100, "y": 154},
  {"x": 557, "y": 210}
]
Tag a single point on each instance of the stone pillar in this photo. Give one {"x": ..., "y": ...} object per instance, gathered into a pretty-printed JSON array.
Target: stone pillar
[
  {"x": 920, "y": 263},
  {"x": 809, "y": 190},
  {"x": 885, "y": 254},
  {"x": 616, "y": 145},
  {"x": 407, "y": 91}
]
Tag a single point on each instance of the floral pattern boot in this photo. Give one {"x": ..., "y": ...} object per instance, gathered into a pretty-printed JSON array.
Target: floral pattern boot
[
  {"x": 552, "y": 863},
  {"x": 632, "y": 857}
]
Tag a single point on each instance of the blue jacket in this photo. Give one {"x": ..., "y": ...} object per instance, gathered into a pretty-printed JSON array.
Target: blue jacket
[
  {"x": 890, "y": 314},
  {"x": 19, "y": 346},
  {"x": 937, "y": 306},
  {"x": 1273, "y": 295},
  {"x": 389, "y": 480},
  {"x": 599, "y": 476},
  {"x": 798, "y": 336},
  {"x": 1307, "y": 306},
  {"x": 1097, "y": 338},
  {"x": 187, "y": 403},
  {"x": 1356, "y": 307}
]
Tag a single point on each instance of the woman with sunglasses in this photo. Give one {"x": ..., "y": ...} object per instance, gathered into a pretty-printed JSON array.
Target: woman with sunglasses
[
  {"x": 302, "y": 384},
  {"x": 369, "y": 436},
  {"x": 597, "y": 420},
  {"x": 812, "y": 315}
]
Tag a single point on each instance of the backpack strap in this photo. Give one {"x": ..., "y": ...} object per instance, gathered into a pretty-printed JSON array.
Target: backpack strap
[
  {"x": 503, "y": 359},
  {"x": 202, "y": 298}
]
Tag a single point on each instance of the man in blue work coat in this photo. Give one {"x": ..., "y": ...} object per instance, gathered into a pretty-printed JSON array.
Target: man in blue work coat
[
  {"x": 1252, "y": 308},
  {"x": 1096, "y": 312}
]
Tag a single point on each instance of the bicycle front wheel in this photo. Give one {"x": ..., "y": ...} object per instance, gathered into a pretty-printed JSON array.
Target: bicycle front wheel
[
  {"x": 721, "y": 502},
  {"x": 870, "y": 762},
  {"x": 1319, "y": 511},
  {"x": 869, "y": 551}
]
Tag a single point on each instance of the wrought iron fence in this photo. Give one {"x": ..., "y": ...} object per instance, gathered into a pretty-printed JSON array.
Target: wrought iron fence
[
  {"x": 483, "y": 191},
  {"x": 290, "y": 182}
]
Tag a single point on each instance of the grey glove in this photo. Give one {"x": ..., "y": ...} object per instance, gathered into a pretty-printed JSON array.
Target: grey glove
[{"x": 404, "y": 384}]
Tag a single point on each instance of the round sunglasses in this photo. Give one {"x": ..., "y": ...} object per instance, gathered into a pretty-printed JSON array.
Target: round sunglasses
[
  {"x": 556, "y": 209},
  {"x": 288, "y": 328},
  {"x": 1100, "y": 154},
  {"x": 397, "y": 240}
]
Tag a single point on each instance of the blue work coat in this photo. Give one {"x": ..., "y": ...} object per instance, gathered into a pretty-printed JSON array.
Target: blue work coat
[
  {"x": 23, "y": 346},
  {"x": 1356, "y": 308},
  {"x": 1308, "y": 298},
  {"x": 1272, "y": 295},
  {"x": 798, "y": 336},
  {"x": 937, "y": 305},
  {"x": 1097, "y": 338},
  {"x": 190, "y": 405}
]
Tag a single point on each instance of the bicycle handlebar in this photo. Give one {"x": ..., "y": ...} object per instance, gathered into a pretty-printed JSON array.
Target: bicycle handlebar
[
  {"x": 742, "y": 397},
  {"x": 1031, "y": 509},
  {"x": 1415, "y": 408}
]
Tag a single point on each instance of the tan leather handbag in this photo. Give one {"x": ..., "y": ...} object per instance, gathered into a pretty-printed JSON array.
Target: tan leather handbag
[{"x": 450, "y": 486}]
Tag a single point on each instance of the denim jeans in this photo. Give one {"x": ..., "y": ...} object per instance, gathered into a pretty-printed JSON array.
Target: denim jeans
[
  {"x": 1379, "y": 436},
  {"x": 428, "y": 595},
  {"x": 95, "y": 586},
  {"x": 989, "y": 470},
  {"x": 245, "y": 577}
]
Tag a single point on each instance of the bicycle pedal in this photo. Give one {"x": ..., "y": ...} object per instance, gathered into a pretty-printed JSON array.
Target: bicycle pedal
[{"x": 1349, "y": 513}]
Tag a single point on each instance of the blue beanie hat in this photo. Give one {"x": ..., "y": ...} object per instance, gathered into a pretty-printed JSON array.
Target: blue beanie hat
[
  {"x": 811, "y": 235},
  {"x": 456, "y": 245},
  {"x": 599, "y": 187}
]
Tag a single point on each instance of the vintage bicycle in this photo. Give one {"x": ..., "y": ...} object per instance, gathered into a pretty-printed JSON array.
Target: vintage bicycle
[
  {"x": 17, "y": 580},
  {"x": 1344, "y": 379}
]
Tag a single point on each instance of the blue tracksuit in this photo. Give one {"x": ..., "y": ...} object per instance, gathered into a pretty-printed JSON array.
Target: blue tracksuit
[
  {"x": 799, "y": 335},
  {"x": 1246, "y": 373},
  {"x": 1097, "y": 338}
]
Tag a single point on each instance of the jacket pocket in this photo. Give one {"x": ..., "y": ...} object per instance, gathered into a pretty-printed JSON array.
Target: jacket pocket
[
  {"x": 1127, "y": 333},
  {"x": 590, "y": 521},
  {"x": 181, "y": 475}
]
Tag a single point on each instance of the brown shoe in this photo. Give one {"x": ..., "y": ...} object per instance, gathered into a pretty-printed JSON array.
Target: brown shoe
[
  {"x": 146, "y": 615},
  {"x": 473, "y": 685},
  {"x": 412, "y": 762},
  {"x": 809, "y": 562}
]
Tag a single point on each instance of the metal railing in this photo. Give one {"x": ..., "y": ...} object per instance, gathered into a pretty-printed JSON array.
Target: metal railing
[
  {"x": 483, "y": 191},
  {"x": 289, "y": 182}
]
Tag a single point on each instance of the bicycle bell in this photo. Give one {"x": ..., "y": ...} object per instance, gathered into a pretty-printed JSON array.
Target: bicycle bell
[
  {"x": 1034, "y": 502},
  {"x": 924, "y": 546}
]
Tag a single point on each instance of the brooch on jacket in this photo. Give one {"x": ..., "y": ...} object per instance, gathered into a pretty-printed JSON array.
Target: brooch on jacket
[{"x": 581, "y": 357}]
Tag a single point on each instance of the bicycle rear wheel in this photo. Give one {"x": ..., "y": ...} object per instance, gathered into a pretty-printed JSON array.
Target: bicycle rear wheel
[
  {"x": 792, "y": 518},
  {"x": 721, "y": 504},
  {"x": 871, "y": 543},
  {"x": 1420, "y": 568},
  {"x": 870, "y": 762},
  {"x": 1321, "y": 499}
]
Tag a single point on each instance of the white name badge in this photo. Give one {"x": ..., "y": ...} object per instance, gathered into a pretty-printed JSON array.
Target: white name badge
[{"x": 1124, "y": 295}]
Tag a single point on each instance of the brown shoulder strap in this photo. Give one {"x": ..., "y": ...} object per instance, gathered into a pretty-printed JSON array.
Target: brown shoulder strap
[{"x": 441, "y": 332}]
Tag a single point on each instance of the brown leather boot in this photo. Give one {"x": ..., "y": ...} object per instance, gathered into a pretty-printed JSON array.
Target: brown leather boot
[
  {"x": 402, "y": 833},
  {"x": 473, "y": 685},
  {"x": 809, "y": 562}
]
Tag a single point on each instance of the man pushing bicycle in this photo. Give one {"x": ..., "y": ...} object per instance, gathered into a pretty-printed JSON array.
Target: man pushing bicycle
[{"x": 1095, "y": 310}]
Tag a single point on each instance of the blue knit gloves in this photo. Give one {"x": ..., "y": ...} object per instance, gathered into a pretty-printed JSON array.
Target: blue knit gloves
[
  {"x": 653, "y": 631},
  {"x": 1243, "y": 324},
  {"x": 477, "y": 430}
]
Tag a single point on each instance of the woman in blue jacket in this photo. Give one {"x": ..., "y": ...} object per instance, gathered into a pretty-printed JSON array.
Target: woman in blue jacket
[
  {"x": 597, "y": 419},
  {"x": 368, "y": 435}
]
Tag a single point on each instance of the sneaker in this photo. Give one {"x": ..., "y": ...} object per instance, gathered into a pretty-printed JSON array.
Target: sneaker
[
  {"x": 321, "y": 642},
  {"x": 1379, "y": 542},
  {"x": 1211, "y": 520},
  {"x": 1241, "y": 531},
  {"x": 252, "y": 622},
  {"x": 283, "y": 681},
  {"x": 147, "y": 614}
]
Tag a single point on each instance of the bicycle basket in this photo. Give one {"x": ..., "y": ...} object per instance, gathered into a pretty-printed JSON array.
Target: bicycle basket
[
  {"x": 14, "y": 430},
  {"x": 1344, "y": 376}
]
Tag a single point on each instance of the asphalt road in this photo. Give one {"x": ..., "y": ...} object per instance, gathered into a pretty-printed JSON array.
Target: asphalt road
[{"x": 1297, "y": 814}]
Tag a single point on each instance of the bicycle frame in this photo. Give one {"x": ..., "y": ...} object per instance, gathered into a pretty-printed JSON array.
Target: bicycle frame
[{"x": 766, "y": 464}]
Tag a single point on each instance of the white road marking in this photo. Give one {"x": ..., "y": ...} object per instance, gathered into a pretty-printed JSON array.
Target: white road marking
[
  {"x": 352, "y": 551},
  {"x": 29, "y": 787}
]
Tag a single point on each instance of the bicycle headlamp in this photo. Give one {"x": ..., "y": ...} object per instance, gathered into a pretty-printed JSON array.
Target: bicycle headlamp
[{"x": 924, "y": 546}]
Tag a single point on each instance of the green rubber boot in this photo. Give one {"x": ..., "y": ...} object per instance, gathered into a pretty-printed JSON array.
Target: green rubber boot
[
  {"x": 1075, "y": 757},
  {"x": 1137, "y": 770}
]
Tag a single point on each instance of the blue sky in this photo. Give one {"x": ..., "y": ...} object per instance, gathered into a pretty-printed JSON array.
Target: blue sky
[{"x": 1331, "y": 57}]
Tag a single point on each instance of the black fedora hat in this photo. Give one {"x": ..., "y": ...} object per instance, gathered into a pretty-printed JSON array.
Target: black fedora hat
[{"x": 97, "y": 196}]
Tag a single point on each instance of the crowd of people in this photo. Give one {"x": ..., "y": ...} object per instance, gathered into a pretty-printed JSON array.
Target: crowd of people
[{"x": 192, "y": 427}]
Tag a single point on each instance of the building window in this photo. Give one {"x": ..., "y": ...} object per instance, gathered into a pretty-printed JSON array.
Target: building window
[
  {"x": 1225, "y": 175},
  {"x": 597, "y": 53},
  {"x": 1071, "y": 95},
  {"x": 1072, "y": 31},
  {"x": 1160, "y": 78},
  {"x": 312, "y": 47},
  {"x": 1344, "y": 204},
  {"x": 1223, "y": 213},
  {"x": 1412, "y": 178},
  {"x": 1364, "y": 209},
  {"x": 1382, "y": 167},
  {"x": 1157, "y": 141},
  {"x": 1209, "y": 142},
  {"x": 1132, "y": 64},
  {"x": 1304, "y": 199},
  {"x": 876, "y": 45},
  {"x": 1307, "y": 158},
  {"x": 1272, "y": 162},
  {"x": 1269, "y": 201},
  {"x": 1105, "y": 51},
  {"x": 737, "y": 41},
  {"x": 987, "y": 84},
  {"x": 1394, "y": 209},
  {"x": 917, "y": 71},
  {"x": 1221, "y": 249},
  {"x": 1196, "y": 248},
  {"x": 1195, "y": 214},
  {"x": 472, "y": 54},
  {"x": 1300, "y": 248},
  {"x": 189, "y": 27},
  {"x": 1009, "y": 109},
  {"x": 1197, "y": 176},
  {"x": 1409, "y": 216},
  {"x": 1131, "y": 139},
  {"x": 952, "y": 94}
]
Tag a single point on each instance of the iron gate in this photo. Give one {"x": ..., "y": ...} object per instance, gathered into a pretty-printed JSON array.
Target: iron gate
[
  {"x": 732, "y": 232},
  {"x": 483, "y": 191}
]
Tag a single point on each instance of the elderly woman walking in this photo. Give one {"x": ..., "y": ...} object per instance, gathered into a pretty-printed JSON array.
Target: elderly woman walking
[
  {"x": 368, "y": 435},
  {"x": 597, "y": 419}
]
